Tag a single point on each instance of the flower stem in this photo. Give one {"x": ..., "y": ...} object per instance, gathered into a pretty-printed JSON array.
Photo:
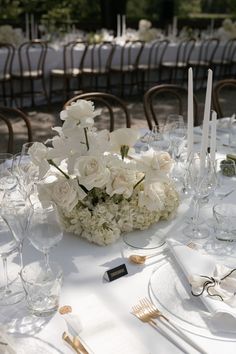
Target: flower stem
[
  {"x": 86, "y": 138},
  {"x": 51, "y": 162},
  {"x": 141, "y": 180}
]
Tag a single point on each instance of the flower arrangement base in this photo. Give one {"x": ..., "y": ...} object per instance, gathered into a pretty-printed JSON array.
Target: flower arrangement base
[{"x": 104, "y": 223}]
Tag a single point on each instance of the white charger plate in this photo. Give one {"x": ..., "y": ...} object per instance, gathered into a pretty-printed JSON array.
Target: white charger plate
[{"x": 171, "y": 293}]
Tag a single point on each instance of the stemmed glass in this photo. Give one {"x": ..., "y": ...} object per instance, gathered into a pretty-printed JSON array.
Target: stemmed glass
[
  {"x": 202, "y": 180},
  {"x": 11, "y": 292},
  {"x": 44, "y": 229},
  {"x": 157, "y": 140},
  {"x": 177, "y": 136},
  {"x": 7, "y": 179},
  {"x": 26, "y": 172},
  {"x": 16, "y": 213}
]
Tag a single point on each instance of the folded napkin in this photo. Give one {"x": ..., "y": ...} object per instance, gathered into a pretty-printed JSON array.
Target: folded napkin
[
  {"x": 215, "y": 282},
  {"x": 102, "y": 332}
]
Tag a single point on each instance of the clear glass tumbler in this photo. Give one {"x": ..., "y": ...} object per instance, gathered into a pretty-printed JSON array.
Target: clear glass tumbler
[{"x": 42, "y": 287}]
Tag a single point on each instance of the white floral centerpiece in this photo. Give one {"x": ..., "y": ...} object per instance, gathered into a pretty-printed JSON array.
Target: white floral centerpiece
[
  {"x": 228, "y": 30},
  {"x": 99, "y": 184}
]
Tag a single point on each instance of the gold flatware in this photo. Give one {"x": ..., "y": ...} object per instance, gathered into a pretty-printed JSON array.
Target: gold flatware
[
  {"x": 146, "y": 311},
  {"x": 75, "y": 343},
  {"x": 69, "y": 341}
]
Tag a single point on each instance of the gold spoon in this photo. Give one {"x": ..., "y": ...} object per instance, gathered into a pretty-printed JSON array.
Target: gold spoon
[{"x": 138, "y": 259}]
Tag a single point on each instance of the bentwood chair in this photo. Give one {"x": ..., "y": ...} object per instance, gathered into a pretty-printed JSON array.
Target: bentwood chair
[
  {"x": 31, "y": 56},
  {"x": 224, "y": 92},
  {"x": 206, "y": 52},
  {"x": 13, "y": 117},
  {"x": 157, "y": 98},
  {"x": 176, "y": 70},
  {"x": 114, "y": 110},
  {"x": 95, "y": 70},
  {"x": 149, "y": 67},
  {"x": 124, "y": 66},
  {"x": 70, "y": 73},
  {"x": 7, "y": 52}
]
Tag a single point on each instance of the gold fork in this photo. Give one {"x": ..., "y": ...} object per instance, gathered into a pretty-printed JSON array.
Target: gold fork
[
  {"x": 143, "y": 316},
  {"x": 148, "y": 311}
]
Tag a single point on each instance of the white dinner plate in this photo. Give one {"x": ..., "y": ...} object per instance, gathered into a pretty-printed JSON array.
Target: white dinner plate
[{"x": 171, "y": 293}]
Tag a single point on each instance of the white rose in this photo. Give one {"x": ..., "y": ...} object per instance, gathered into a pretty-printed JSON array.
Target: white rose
[
  {"x": 64, "y": 192},
  {"x": 156, "y": 165},
  {"x": 80, "y": 112},
  {"x": 153, "y": 197},
  {"x": 122, "y": 182},
  {"x": 92, "y": 171},
  {"x": 39, "y": 155}
]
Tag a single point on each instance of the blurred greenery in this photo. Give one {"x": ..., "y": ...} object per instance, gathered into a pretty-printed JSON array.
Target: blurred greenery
[{"x": 60, "y": 12}]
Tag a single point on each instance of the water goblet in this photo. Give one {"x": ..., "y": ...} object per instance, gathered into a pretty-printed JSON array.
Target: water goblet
[
  {"x": 172, "y": 120},
  {"x": 157, "y": 140},
  {"x": 201, "y": 181},
  {"x": 16, "y": 213},
  {"x": 11, "y": 292},
  {"x": 44, "y": 230},
  {"x": 7, "y": 179}
]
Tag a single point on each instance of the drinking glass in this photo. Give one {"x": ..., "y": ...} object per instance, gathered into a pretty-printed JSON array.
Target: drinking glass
[
  {"x": 177, "y": 135},
  {"x": 11, "y": 291},
  {"x": 225, "y": 215},
  {"x": 16, "y": 213},
  {"x": 25, "y": 171},
  {"x": 232, "y": 133},
  {"x": 171, "y": 121},
  {"x": 44, "y": 228},
  {"x": 226, "y": 175},
  {"x": 157, "y": 140},
  {"x": 42, "y": 288},
  {"x": 201, "y": 181},
  {"x": 7, "y": 179}
]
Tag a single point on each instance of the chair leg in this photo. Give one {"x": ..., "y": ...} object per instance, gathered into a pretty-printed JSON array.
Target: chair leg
[{"x": 46, "y": 94}]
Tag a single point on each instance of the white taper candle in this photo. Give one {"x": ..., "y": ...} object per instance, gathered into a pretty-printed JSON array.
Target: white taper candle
[
  {"x": 213, "y": 136},
  {"x": 123, "y": 25},
  {"x": 206, "y": 120},
  {"x": 190, "y": 114},
  {"x": 118, "y": 33}
]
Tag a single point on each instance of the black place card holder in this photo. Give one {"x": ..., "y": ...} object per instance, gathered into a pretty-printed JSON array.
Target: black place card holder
[{"x": 115, "y": 273}]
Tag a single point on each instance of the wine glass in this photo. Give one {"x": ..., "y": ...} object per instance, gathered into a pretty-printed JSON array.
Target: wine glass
[
  {"x": 7, "y": 179},
  {"x": 171, "y": 121},
  {"x": 16, "y": 213},
  {"x": 177, "y": 136},
  {"x": 202, "y": 180},
  {"x": 44, "y": 230},
  {"x": 25, "y": 171},
  {"x": 157, "y": 140},
  {"x": 12, "y": 291}
]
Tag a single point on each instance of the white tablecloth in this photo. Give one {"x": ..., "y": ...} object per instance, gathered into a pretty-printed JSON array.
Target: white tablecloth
[{"x": 84, "y": 265}]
